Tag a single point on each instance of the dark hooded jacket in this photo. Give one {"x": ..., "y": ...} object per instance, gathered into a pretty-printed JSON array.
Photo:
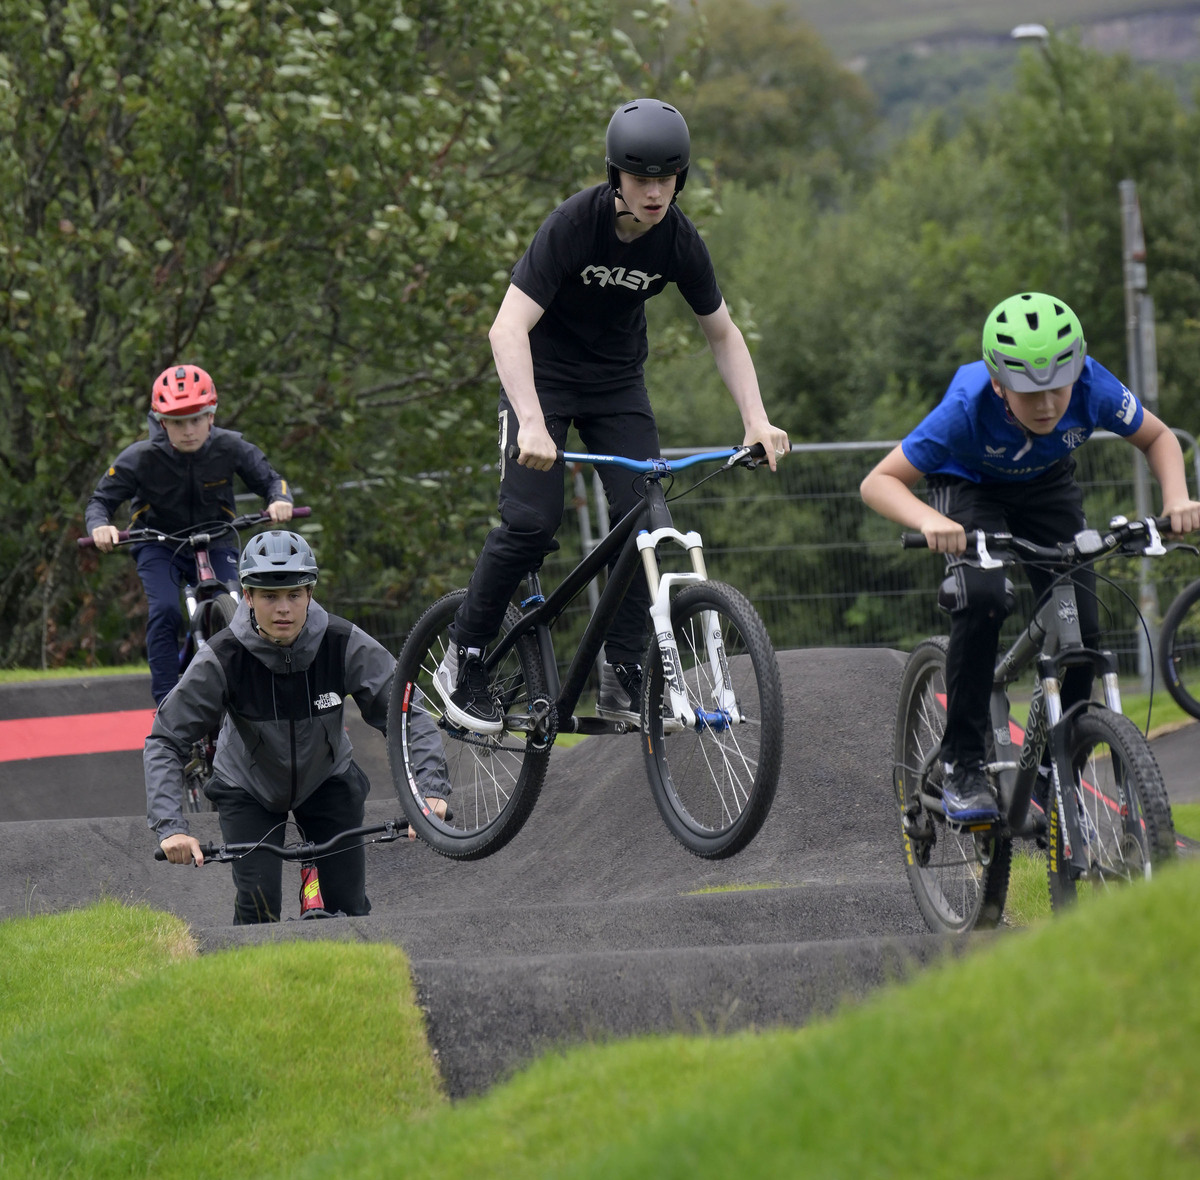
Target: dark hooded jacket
[
  {"x": 281, "y": 714},
  {"x": 172, "y": 491}
]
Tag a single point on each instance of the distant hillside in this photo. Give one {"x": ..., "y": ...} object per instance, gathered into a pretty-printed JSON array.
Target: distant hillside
[{"x": 1147, "y": 29}]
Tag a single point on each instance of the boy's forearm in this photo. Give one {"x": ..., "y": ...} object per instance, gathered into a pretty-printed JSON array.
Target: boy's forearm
[{"x": 1165, "y": 457}]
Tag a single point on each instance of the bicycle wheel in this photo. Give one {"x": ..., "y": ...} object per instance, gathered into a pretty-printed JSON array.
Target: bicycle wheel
[
  {"x": 213, "y": 615},
  {"x": 1124, "y": 813},
  {"x": 714, "y": 786},
  {"x": 959, "y": 879},
  {"x": 1179, "y": 649},
  {"x": 494, "y": 781}
]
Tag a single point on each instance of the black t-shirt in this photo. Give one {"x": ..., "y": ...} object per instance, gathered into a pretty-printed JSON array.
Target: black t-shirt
[{"x": 592, "y": 337}]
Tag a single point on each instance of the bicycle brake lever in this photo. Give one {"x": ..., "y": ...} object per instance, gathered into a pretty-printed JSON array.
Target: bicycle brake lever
[
  {"x": 1155, "y": 548},
  {"x": 742, "y": 457},
  {"x": 986, "y": 560}
]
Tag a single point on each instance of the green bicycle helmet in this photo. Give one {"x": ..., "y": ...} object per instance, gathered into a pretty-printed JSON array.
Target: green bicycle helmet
[
  {"x": 1033, "y": 342},
  {"x": 277, "y": 560}
]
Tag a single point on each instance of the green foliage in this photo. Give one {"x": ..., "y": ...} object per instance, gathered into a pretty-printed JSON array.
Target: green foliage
[
  {"x": 771, "y": 103},
  {"x": 320, "y": 203}
]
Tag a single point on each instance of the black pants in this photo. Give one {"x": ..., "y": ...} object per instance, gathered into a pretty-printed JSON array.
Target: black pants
[
  {"x": 531, "y": 509},
  {"x": 337, "y": 804},
  {"x": 1045, "y": 510}
]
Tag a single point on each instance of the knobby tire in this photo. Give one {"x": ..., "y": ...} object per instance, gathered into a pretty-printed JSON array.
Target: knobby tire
[
  {"x": 495, "y": 781},
  {"x": 959, "y": 880},
  {"x": 714, "y": 787},
  {"x": 1125, "y": 815},
  {"x": 1179, "y": 649}
]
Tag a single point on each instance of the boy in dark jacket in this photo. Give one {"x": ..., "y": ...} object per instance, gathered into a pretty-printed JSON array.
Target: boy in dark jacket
[
  {"x": 278, "y": 675},
  {"x": 180, "y": 477}
]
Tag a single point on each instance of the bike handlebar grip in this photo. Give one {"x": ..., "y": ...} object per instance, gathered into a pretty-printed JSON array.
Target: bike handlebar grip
[
  {"x": 302, "y": 511},
  {"x": 206, "y": 851},
  {"x": 758, "y": 451},
  {"x": 88, "y": 543},
  {"x": 513, "y": 453},
  {"x": 913, "y": 541}
]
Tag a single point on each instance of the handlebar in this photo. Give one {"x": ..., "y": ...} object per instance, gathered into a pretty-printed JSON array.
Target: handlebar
[
  {"x": 203, "y": 533},
  {"x": 392, "y": 829},
  {"x": 1122, "y": 536},
  {"x": 732, "y": 456}
]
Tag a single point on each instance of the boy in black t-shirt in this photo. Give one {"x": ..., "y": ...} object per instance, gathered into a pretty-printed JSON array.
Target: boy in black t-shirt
[{"x": 569, "y": 342}]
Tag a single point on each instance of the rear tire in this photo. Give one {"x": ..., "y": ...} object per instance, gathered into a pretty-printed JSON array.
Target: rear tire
[
  {"x": 1179, "y": 649},
  {"x": 215, "y": 615},
  {"x": 1125, "y": 815},
  {"x": 494, "y": 781},
  {"x": 959, "y": 880},
  {"x": 715, "y": 787}
]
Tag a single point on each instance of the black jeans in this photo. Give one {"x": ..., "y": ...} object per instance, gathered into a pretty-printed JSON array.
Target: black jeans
[
  {"x": 1045, "y": 510},
  {"x": 337, "y": 804},
  {"x": 531, "y": 509}
]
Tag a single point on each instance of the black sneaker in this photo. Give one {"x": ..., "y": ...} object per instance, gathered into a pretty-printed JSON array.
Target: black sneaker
[
  {"x": 967, "y": 796},
  {"x": 620, "y": 692},
  {"x": 462, "y": 683}
]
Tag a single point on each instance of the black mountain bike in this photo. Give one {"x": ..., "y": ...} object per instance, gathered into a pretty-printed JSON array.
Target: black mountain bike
[
  {"x": 711, "y": 713},
  {"x": 1179, "y": 647},
  {"x": 1104, "y": 816},
  {"x": 209, "y": 607},
  {"x": 312, "y": 904}
]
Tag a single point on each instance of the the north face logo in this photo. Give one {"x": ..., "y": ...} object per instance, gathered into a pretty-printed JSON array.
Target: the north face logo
[{"x": 327, "y": 700}]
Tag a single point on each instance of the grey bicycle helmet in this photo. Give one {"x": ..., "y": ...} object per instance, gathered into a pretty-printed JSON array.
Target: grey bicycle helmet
[
  {"x": 277, "y": 560},
  {"x": 647, "y": 138}
]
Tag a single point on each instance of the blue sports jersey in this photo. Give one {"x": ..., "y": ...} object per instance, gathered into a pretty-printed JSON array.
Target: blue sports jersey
[{"x": 970, "y": 435}]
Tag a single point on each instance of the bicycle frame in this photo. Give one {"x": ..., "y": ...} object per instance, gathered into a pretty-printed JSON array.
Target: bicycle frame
[
  {"x": 1053, "y": 642},
  {"x": 633, "y": 547}
]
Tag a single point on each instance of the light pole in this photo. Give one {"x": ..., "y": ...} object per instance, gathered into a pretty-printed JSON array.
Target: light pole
[{"x": 1031, "y": 33}]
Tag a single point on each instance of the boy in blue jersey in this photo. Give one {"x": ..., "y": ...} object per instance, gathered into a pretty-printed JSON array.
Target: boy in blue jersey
[{"x": 997, "y": 455}]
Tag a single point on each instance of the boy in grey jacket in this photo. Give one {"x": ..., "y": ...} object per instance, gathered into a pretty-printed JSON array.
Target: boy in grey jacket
[{"x": 278, "y": 676}]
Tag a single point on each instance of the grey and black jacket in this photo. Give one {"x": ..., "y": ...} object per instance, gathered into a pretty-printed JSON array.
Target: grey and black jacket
[{"x": 280, "y": 712}]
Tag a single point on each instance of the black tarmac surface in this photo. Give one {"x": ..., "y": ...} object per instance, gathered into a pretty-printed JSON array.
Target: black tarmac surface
[{"x": 591, "y": 924}]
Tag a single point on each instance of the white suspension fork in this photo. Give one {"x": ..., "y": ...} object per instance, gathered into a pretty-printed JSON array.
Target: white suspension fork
[{"x": 693, "y": 714}]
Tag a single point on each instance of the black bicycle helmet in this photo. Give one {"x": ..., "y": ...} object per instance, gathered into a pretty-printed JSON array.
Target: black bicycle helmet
[
  {"x": 277, "y": 560},
  {"x": 647, "y": 138}
]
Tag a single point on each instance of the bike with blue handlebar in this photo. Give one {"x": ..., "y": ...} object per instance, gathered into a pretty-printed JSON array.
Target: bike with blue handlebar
[{"x": 711, "y": 709}]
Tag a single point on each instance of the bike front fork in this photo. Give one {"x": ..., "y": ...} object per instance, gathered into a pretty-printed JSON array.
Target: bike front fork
[{"x": 691, "y": 714}]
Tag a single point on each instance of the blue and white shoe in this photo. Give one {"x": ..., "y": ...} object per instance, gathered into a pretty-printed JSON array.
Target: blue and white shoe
[{"x": 967, "y": 796}]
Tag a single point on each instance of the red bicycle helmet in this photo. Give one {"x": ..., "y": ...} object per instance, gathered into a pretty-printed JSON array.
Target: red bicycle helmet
[{"x": 183, "y": 391}]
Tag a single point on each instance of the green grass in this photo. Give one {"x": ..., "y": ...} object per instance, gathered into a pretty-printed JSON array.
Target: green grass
[
  {"x": 1073, "y": 1047},
  {"x": 25, "y": 675},
  {"x": 120, "y": 1057}
]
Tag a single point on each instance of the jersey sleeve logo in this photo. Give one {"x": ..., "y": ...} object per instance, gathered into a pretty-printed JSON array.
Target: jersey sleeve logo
[
  {"x": 1128, "y": 410},
  {"x": 617, "y": 276}
]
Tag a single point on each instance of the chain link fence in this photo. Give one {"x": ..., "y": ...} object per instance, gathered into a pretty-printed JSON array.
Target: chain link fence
[{"x": 824, "y": 570}]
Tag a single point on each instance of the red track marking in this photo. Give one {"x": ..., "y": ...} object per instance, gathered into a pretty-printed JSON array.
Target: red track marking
[{"x": 83, "y": 733}]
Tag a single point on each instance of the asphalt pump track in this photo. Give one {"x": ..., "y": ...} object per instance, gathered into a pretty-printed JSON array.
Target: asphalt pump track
[{"x": 593, "y": 923}]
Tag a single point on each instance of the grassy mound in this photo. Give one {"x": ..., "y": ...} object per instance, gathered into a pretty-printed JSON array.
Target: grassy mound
[{"x": 1069, "y": 1049}]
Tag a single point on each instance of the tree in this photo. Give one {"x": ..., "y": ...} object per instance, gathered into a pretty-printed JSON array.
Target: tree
[{"x": 319, "y": 202}]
